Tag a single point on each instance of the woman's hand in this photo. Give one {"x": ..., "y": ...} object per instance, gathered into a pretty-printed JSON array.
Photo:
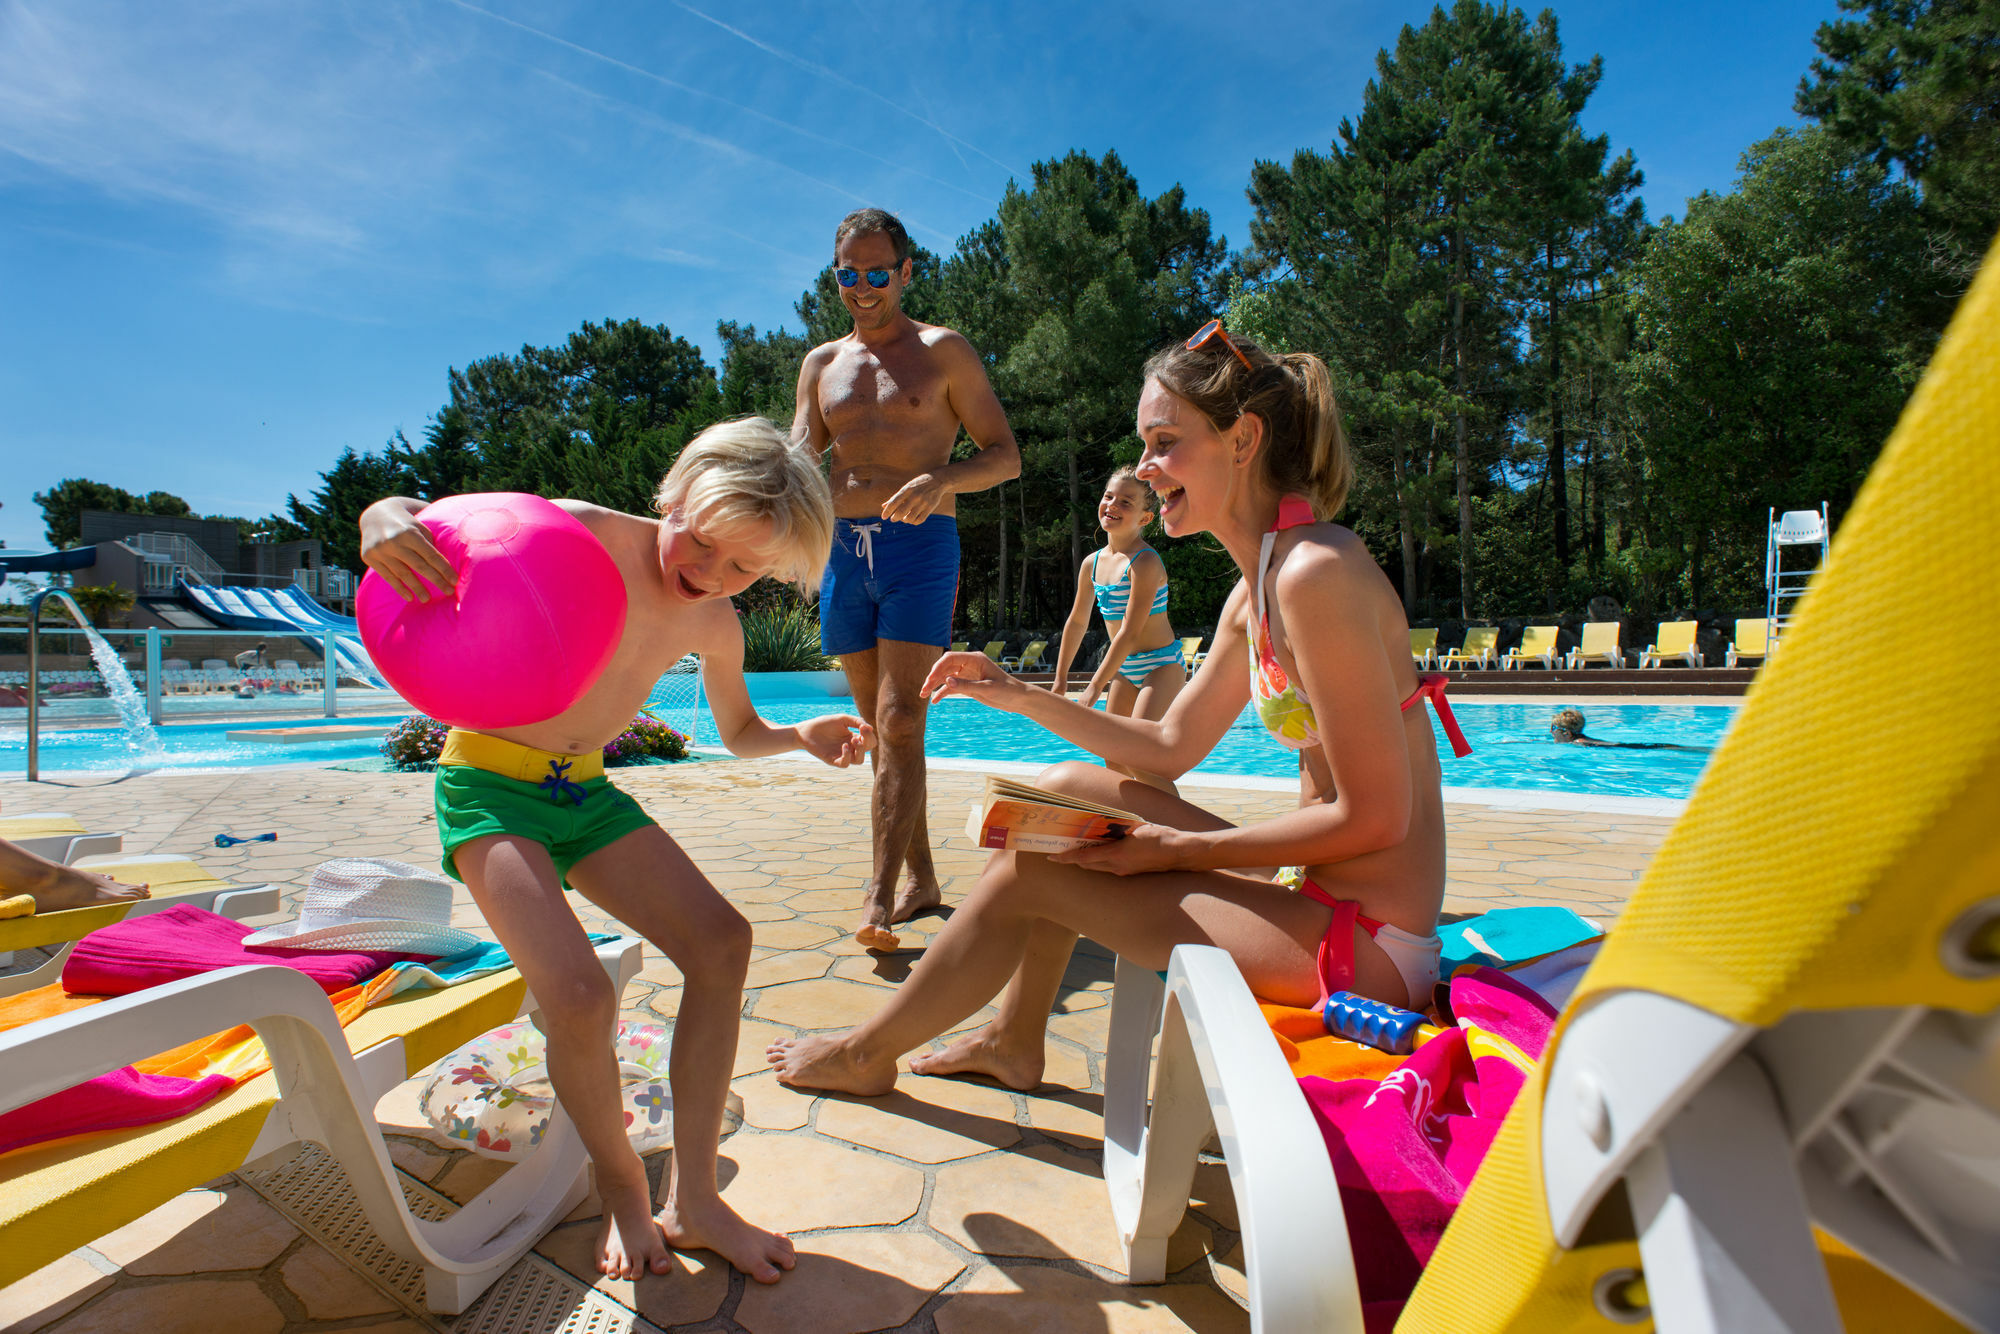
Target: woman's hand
[
  {"x": 397, "y": 547},
  {"x": 1060, "y": 686},
  {"x": 1089, "y": 696},
  {"x": 838, "y": 739},
  {"x": 975, "y": 676},
  {"x": 1149, "y": 847}
]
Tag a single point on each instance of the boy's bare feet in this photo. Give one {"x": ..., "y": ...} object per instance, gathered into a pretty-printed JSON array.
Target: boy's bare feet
[
  {"x": 829, "y": 1063},
  {"x": 631, "y": 1242},
  {"x": 714, "y": 1226},
  {"x": 876, "y": 914},
  {"x": 984, "y": 1053},
  {"x": 71, "y": 888}
]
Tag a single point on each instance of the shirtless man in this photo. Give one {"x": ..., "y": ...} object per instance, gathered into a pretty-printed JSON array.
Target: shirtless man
[{"x": 888, "y": 399}]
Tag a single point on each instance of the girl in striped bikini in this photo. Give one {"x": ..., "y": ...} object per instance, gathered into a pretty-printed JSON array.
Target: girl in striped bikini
[{"x": 1143, "y": 668}]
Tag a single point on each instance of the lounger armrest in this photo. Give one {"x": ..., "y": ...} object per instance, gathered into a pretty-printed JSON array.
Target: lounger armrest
[
  {"x": 59, "y": 1053},
  {"x": 1219, "y": 1068}
]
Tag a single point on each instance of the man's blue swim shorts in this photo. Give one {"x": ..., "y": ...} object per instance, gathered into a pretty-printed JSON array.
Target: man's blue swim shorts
[{"x": 889, "y": 581}]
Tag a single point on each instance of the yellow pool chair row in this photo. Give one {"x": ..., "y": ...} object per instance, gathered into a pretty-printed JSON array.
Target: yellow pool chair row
[
  {"x": 1476, "y": 651},
  {"x": 56, "y": 835},
  {"x": 322, "y": 1088},
  {"x": 173, "y": 881},
  {"x": 1773, "y": 1102}
]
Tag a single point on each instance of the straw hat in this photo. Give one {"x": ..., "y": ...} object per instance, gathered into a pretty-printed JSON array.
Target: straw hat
[{"x": 369, "y": 903}]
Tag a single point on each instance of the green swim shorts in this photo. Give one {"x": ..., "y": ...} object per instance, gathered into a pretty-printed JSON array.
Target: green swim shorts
[{"x": 472, "y": 803}]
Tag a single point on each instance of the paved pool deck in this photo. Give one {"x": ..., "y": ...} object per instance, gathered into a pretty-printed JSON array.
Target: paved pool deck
[{"x": 953, "y": 1207}]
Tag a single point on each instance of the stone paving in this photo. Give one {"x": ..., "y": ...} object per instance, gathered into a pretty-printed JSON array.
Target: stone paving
[{"x": 952, "y": 1206}]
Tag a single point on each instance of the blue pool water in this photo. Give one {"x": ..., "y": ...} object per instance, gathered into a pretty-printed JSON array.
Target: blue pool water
[{"x": 1510, "y": 745}]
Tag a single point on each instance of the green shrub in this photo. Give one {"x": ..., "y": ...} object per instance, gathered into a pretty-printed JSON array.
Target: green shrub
[
  {"x": 782, "y": 639},
  {"x": 417, "y": 741}
]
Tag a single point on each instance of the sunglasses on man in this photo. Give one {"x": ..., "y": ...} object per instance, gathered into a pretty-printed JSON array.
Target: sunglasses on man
[{"x": 876, "y": 277}]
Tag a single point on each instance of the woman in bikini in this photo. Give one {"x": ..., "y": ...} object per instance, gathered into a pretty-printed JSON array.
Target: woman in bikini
[
  {"x": 1246, "y": 447},
  {"x": 1143, "y": 668}
]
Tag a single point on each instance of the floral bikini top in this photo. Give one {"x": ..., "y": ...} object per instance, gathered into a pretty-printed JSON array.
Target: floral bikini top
[{"x": 1281, "y": 705}]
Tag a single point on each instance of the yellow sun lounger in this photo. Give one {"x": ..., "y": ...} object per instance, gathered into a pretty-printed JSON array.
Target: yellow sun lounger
[
  {"x": 56, "y": 835},
  {"x": 1674, "y": 639},
  {"x": 1773, "y": 1102},
  {"x": 173, "y": 881},
  {"x": 322, "y": 1088},
  {"x": 1600, "y": 640},
  {"x": 1476, "y": 651},
  {"x": 1030, "y": 659},
  {"x": 1753, "y": 640},
  {"x": 1191, "y": 651},
  {"x": 1538, "y": 644},
  {"x": 1423, "y": 646}
]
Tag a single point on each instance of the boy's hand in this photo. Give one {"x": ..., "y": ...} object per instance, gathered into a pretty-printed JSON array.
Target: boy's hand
[
  {"x": 397, "y": 547},
  {"x": 1089, "y": 696},
  {"x": 838, "y": 739},
  {"x": 1060, "y": 686}
]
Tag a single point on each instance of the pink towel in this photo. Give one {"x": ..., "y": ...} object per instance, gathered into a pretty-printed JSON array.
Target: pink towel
[
  {"x": 109, "y": 1102},
  {"x": 1405, "y": 1147},
  {"x": 184, "y": 941}
]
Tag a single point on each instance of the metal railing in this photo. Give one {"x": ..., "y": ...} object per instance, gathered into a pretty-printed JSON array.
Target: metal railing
[{"x": 190, "y": 561}]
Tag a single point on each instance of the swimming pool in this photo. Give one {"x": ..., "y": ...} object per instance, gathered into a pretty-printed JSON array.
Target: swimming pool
[{"x": 1510, "y": 745}]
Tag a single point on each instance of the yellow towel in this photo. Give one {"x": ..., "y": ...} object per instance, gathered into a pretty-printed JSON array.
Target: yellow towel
[{"x": 17, "y": 905}]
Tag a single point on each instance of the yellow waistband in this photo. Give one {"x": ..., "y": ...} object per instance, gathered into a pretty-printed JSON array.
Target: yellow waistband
[{"x": 511, "y": 759}]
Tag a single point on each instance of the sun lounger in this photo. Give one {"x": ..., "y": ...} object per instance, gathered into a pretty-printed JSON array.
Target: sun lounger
[
  {"x": 994, "y": 649},
  {"x": 1538, "y": 644},
  {"x": 322, "y": 1088},
  {"x": 1600, "y": 640},
  {"x": 173, "y": 880},
  {"x": 1030, "y": 659},
  {"x": 1674, "y": 639},
  {"x": 56, "y": 835},
  {"x": 1191, "y": 651},
  {"x": 1476, "y": 651},
  {"x": 1753, "y": 640},
  {"x": 1769, "y": 1050},
  {"x": 1423, "y": 647},
  {"x": 961, "y": 646}
]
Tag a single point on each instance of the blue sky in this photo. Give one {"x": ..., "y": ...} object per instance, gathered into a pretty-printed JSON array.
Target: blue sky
[{"x": 236, "y": 237}]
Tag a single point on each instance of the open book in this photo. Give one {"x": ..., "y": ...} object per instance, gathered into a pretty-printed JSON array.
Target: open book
[{"x": 1020, "y": 817}]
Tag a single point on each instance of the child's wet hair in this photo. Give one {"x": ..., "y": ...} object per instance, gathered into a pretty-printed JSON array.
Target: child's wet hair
[
  {"x": 1567, "y": 720},
  {"x": 739, "y": 473}
]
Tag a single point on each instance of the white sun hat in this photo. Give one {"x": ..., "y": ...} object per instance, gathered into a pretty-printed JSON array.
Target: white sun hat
[{"x": 369, "y": 903}]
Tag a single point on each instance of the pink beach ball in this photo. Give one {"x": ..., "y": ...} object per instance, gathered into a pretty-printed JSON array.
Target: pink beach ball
[{"x": 538, "y": 613}]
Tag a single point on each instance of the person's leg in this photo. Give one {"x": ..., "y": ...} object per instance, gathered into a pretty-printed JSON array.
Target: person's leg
[
  {"x": 864, "y": 681},
  {"x": 646, "y": 881},
  {"x": 902, "y": 834},
  {"x": 514, "y": 882},
  {"x": 1149, "y": 701},
  {"x": 54, "y": 886},
  {"x": 1272, "y": 934},
  {"x": 1012, "y": 1048}
]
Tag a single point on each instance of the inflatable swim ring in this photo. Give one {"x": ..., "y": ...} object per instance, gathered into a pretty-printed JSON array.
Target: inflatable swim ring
[{"x": 493, "y": 1095}]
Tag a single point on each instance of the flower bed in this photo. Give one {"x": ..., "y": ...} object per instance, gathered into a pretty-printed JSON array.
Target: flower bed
[{"x": 417, "y": 741}]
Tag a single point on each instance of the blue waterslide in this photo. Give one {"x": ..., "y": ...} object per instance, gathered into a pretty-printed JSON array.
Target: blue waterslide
[{"x": 286, "y": 610}]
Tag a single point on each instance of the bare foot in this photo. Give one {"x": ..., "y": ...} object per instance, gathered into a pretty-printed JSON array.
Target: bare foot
[
  {"x": 714, "y": 1226},
  {"x": 631, "y": 1242},
  {"x": 983, "y": 1053},
  {"x": 915, "y": 898},
  {"x": 83, "y": 889},
  {"x": 874, "y": 932},
  {"x": 829, "y": 1063}
]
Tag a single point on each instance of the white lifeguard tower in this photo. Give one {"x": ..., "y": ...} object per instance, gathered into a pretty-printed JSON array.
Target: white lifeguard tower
[{"x": 1804, "y": 532}]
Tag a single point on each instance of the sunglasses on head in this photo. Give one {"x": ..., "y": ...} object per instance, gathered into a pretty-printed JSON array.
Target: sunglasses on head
[
  {"x": 1214, "y": 329},
  {"x": 876, "y": 277}
]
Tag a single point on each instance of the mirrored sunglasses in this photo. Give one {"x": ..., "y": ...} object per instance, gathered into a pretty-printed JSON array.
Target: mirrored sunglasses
[{"x": 876, "y": 277}]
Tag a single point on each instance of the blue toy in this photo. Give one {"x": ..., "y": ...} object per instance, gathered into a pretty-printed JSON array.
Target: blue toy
[
  {"x": 230, "y": 840},
  {"x": 1372, "y": 1023}
]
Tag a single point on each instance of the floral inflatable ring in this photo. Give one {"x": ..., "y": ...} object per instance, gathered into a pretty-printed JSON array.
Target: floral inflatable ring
[{"x": 492, "y": 1095}]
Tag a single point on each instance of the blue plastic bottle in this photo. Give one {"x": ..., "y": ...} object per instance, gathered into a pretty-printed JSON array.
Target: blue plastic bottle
[{"x": 1372, "y": 1023}]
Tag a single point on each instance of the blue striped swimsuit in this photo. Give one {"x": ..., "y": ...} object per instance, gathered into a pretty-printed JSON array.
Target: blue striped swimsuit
[{"x": 1112, "y": 600}]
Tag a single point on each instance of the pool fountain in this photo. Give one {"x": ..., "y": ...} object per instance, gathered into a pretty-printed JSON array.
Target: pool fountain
[{"x": 139, "y": 732}]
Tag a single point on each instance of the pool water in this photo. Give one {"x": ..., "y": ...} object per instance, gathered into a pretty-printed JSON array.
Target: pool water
[{"x": 1510, "y": 745}]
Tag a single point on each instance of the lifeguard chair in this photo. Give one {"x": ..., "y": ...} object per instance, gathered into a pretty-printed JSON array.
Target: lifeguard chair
[{"x": 1785, "y": 584}]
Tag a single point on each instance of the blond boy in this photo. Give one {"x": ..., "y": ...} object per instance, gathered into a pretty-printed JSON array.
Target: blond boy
[{"x": 739, "y": 503}]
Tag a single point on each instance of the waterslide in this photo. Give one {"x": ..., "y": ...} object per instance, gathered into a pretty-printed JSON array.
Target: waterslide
[{"x": 286, "y": 610}]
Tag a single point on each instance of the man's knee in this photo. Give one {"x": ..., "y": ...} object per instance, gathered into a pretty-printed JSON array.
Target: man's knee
[{"x": 899, "y": 720}]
